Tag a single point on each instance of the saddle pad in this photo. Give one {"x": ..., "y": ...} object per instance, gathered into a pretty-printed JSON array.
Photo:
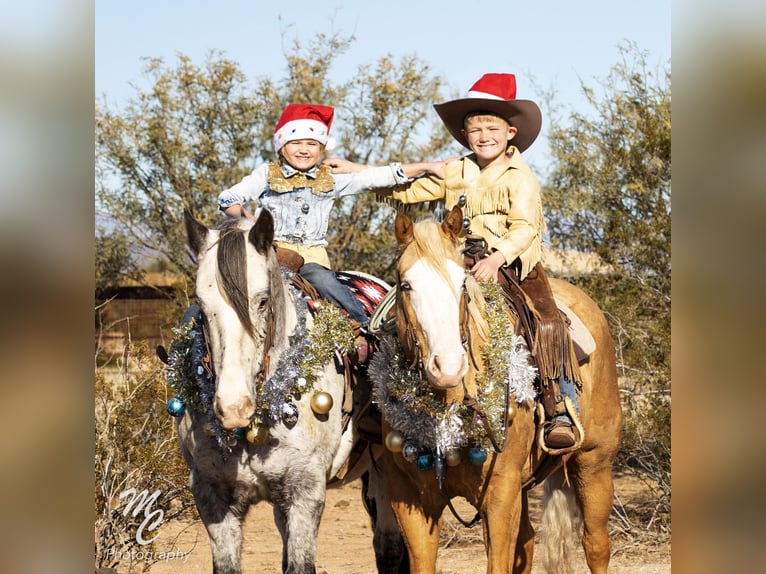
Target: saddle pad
[
  {"x": 368, "y": 289},
  {"x": 584, "y": 342}
]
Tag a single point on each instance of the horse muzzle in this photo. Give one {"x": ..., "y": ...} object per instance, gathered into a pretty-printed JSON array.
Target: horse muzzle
[
  {"x": 446, "y": 371},
  {"x": 234, "y": 414}
]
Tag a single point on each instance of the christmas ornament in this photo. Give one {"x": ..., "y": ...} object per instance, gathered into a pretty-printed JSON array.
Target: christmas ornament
[
  {"x": 409, "y": 451},
  {"x": 321, "y": 402},
  {"x": 176, "y": 407},
  {"x": 289, "y": 415},
  {"x": 257, "y": 433},
  {"x": 425, "y": 461},
  {"x": 477, "y": 455},
  {"x": 511, "y": 412},
  {"x": 395, "y": 441},
  {"x": 452, "y": 457}
]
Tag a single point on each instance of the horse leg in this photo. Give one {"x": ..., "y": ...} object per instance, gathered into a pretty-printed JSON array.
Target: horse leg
[
  {"x": 222, "y": 515},
  {"x": 525, "y": 543},
  {"x": 502, "y": 511},
  {"x": 417, "y": 511},
  {"x": 298, "y": 508},
  {"x": 595, "y": 495},
  {"x": 390, "y": 552}
]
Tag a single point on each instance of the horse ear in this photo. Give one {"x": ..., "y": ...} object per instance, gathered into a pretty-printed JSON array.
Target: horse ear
[
  {"x": 262, "y": 233},
  {"x": 453, "y": 223},
  {"x": 196, "y": 232},
  {"x": 403, "y": 228}
]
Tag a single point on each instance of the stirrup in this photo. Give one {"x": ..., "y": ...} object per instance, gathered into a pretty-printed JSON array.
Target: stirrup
[{"x": 577, "y": 428}]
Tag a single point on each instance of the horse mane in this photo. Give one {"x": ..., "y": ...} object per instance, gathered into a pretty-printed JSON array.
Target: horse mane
[
  {"x": 232, "y": 272},
  {"x": 430, "y": 244}
]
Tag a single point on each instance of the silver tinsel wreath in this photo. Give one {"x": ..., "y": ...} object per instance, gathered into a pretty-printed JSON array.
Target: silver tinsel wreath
[{"x": 298, "y": 368}]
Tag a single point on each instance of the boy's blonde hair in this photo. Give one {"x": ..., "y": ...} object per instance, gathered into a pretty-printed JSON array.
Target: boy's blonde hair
[{"x": 483, "y": 115}]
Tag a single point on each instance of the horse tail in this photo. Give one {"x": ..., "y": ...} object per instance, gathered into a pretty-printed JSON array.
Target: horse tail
[{"x": 561, "y": 525}]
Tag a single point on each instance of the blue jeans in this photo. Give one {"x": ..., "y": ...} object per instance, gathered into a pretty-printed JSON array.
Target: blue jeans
[
  {"x": 567, "y": 388},
  {"x": 328, "y": 286}
]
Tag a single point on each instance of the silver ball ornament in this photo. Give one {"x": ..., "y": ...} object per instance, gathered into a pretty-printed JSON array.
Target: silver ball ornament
[
  {"x": 289, "y": 415},
  {"x": 409, "y": 451},
  {"x": 395, "y": 441},
  {"x": 321, "y": 402}
]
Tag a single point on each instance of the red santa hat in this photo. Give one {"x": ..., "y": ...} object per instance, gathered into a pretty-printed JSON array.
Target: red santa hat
[{"x": 304, "y": 122}]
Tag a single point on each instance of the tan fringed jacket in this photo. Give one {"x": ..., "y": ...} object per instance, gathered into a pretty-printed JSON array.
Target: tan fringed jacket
[{"x": 503, "y": 204}]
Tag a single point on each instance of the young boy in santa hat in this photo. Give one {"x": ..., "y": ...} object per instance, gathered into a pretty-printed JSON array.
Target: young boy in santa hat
[
  {"x": 300, "y": 194},
  {"x": 501, "y": 203}
]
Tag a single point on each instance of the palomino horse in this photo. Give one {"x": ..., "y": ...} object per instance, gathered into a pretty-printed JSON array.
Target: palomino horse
[
  {"x": 271, "y": 427},
  {"x": 445, "y": 338}
]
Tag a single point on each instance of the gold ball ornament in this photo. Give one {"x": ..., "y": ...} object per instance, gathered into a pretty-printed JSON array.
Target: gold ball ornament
[
  {"x": 395, "y": 441},
  {"x": 512, "y": 410},
  {"x": 257, "y": 434},
  {"x": 452, "y": 457},
  {"x": 321, "y": 402}
]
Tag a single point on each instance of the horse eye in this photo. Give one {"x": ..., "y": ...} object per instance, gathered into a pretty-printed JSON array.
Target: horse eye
[
  {"x": 405, "y": 286},
  {"x": 262, "y": 304}
]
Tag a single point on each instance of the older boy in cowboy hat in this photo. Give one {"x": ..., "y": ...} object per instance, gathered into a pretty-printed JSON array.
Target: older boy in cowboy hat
[
  {"x": 300, "y": 194},
  {"x": 500, "y": 199}
]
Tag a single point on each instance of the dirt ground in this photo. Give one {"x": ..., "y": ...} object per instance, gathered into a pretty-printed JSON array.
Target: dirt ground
[{"x": 345, "y": 542}]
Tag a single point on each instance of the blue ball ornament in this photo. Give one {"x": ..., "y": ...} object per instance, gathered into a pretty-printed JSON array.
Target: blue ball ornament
[
  {"x": 176, "y": 407},
  {"x": 477, "y": 455},
  {"x": 425, "y": 461}
]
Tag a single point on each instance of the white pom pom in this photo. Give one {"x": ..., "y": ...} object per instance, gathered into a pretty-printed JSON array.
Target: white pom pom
[{"x": 331, "y": 143}]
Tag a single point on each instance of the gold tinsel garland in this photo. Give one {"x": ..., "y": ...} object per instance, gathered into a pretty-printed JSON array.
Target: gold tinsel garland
[{"x": 410, "y": 406}]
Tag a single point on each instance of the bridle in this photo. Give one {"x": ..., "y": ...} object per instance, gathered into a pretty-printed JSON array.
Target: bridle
[{"x": 415, "y": 348}]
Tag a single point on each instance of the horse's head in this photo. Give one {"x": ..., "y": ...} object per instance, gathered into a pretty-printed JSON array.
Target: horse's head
[
  {"x": 242, "y": 295},
  {"x": 431, "y": 297}
]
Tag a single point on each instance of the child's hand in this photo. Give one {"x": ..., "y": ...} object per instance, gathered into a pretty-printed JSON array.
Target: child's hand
[
  {"x": 486, "y": 269},
  {"x": 341, "y": 165},
  {"x": 436, "y": 168}
]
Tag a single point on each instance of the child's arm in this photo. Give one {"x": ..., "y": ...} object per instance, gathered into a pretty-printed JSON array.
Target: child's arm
[
  {"x": 238, "y": 211},
  {"x": 339, "y": 165}
]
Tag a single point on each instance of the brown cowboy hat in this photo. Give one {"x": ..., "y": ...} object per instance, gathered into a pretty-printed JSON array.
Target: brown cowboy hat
[{"x": 495, "y": 94}]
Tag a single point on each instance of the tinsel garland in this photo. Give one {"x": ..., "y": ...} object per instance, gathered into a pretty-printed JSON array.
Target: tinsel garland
[
  {"x": 297, "y": 371},
  {"x": 410, "y": 406},
  {"x": 305, "y": 359}
]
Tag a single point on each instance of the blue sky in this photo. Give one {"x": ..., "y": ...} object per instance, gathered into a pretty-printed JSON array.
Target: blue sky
[{"x": 545, "y": 43}]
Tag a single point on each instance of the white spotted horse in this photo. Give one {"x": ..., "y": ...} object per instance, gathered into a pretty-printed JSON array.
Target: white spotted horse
[
  {"x": 460, "y": 418},
  {"x": 264, "y": 411}
]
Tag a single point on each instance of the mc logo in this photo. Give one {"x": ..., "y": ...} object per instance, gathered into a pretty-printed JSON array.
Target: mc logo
[{"x": 143, "y": 501}]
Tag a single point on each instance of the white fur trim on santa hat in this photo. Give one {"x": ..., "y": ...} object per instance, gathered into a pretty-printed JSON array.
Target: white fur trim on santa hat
[{"x": 303, "y": 129}]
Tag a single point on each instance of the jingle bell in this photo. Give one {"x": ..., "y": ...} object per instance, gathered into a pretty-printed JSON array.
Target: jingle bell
[
  {"x": 395, "y": 441},
  {"x": 321, "y": 402}
]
